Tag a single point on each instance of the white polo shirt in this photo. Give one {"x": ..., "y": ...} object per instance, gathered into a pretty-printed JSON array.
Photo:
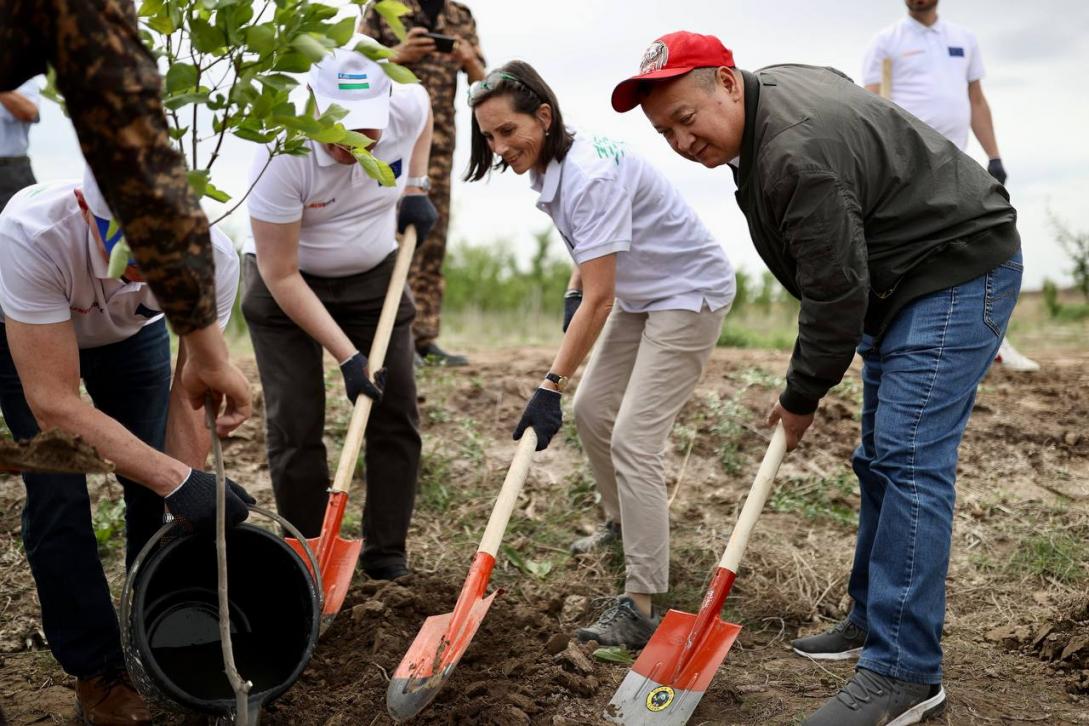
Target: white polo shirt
[
  {"x": 52, "y": 270},
  {"x": 931, "y": 69},
  {"x": 348, "y": 219},
  {"x": 605, "y": 199}
]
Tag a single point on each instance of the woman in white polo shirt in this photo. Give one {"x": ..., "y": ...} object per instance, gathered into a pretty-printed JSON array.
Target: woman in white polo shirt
[
  {"x": 634, "y": 240},
  {"x": 316, "y": 274}
]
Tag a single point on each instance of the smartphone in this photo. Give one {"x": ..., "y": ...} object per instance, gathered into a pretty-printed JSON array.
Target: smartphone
[{"x": 443, "y": 43}]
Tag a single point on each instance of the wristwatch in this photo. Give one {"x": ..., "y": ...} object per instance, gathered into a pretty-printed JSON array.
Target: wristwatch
[
  {"x": 423, "y": 182},
  {"x": 560, "y": 381}
]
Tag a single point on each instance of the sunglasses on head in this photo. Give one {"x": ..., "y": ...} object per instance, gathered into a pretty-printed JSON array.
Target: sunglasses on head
[{"x": 493, "y": 82}]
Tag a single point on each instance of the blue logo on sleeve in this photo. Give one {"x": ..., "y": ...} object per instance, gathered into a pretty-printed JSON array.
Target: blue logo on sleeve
[
  {"x": 955, "y": 52},
  {"x": 395, "y": 167}
]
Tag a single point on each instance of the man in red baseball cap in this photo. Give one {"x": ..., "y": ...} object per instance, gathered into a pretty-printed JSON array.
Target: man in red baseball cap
[{"x": 907, "y": 252}]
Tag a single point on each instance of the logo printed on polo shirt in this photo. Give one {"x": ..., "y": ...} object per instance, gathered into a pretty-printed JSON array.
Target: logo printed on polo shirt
[
  {"x": 320, "y": 205},
  {"x": 395, "y": 167},
  {"x": 352, "y": 81},
  {"x": 956, "y": 52},
  {"x": 654, "y": 58}
]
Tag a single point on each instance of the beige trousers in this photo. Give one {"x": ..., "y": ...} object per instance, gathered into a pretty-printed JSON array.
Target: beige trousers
[{"x": 644, "y": 369}]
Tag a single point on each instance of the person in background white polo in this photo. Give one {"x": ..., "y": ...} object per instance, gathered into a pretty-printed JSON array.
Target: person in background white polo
[
  {"x": 316, "y": 273},
  {"x": 18, "y": 111},
  {"x": 638, "y": 244},
  {"x": 937, "y": 74},
  {"x": 65, "y": 320}
]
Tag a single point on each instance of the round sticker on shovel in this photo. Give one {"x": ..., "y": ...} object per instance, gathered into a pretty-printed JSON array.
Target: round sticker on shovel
[{"x": 660, "y": 698}]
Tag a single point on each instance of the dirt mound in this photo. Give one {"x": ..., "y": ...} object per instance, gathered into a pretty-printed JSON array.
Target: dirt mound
[
  {"x": 1063, "y": 643},
  {"x": 519, "y": 666}
]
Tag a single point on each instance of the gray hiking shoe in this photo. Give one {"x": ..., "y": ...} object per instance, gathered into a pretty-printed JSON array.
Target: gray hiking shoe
[
  {"x": 871, "y": 699},
  {"x": 603, "y": 536},
  {"x": 621, "y": 623},
  {"x": 842, "y": 642}
]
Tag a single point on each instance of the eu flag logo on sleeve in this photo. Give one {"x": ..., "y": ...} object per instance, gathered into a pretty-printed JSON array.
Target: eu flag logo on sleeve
[
  {"x": 956, "y": 52},
  {"x": 395, "y": 167}
]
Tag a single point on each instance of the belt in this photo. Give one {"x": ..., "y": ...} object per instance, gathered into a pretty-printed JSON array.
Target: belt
[{"x": 14, "y": 160}]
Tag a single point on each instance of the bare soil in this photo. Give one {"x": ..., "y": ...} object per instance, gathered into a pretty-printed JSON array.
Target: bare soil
[{"x": 1017, "y": 627}]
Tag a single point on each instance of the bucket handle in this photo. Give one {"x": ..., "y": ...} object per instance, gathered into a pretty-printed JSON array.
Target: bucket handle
[{"x": 153, "y": 541}]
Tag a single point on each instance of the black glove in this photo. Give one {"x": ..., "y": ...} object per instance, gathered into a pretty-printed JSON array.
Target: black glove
[
  {"x": 356, "y": 380},
  {"x": 995, "y": 169},
  {"x": 417, "y": 210},
  {"x": 543, "y": 414},
  {"x": 571, "y": 300},
  {"x": 194, "y": 503}
]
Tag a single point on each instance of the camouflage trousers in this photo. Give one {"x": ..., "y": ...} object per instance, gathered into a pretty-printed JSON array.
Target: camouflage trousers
[{"x": 425, "y": 278}]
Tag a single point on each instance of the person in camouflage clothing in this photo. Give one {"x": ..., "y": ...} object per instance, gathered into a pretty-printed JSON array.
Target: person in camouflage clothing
[
  {"x": 112, "y": 90},
  {"x": 438, "y": 72}
]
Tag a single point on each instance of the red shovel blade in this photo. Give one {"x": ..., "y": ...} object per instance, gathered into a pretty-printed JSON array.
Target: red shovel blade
[
  {"x": 650, "y": 694},
  {"x": 440, "y": 644},
  {"x": 336, "y": 576}
]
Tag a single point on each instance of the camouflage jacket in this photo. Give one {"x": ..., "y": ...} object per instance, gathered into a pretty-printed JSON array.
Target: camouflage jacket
[
  {"x": 437, "y": 72},
  {"x": 112, "y": 90}
]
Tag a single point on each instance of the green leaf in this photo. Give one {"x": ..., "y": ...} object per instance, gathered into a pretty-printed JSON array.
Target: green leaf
[
  {"x": 216, "y": 193},
  {"x": 309, "y": 46},
  {"x": 333, "y": 113},
  {"x": 180, "y": 77},
  {"x": 356, "y": 140},
  {"x": 184, "y": 99},
  {"x": 331, "y": 135},
  {"x": 305, "y": 124},
  {"x": 162, "y": 24},
  {"x": 399, "y": 73},
  {"x": 538, "y": 569},
  {"x": 150, "y": 7},
  {"x": 292, "y": 62},
  {"x": 391, "y": 11},
  {"x": 311, "y": 103},
  {"x": 206, "y": 37},
  {"x": 261, "y": 39},
  {"x": 233, "y": 20},
  {"x": 256, "y": 136},
  {"x": 373, "y": 50},
  {"x": 198, "y": 181},
  {"x": 178, "y": 133},
  {"x": 614, "y": 654},
  {"x": 375, "y": 168},
  {"x": 277, "y": 81},
  {"x": 342, "y": 32}
]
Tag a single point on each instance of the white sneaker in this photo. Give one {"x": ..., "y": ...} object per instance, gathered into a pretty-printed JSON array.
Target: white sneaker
[{"x": 1012, "y": 359}]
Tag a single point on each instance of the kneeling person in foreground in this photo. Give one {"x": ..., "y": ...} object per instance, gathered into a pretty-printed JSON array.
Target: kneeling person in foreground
[{"x": 899, "y": 246}]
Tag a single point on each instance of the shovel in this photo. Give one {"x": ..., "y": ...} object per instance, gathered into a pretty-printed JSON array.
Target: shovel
[
  {"x": 337, "y": 556},
  {"x": 442, "y": 639},
  {"x": 668, "y": 680}
]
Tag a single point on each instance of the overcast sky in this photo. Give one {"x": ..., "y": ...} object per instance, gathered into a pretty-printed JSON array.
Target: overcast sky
[{"x": 1035, "y": 53}]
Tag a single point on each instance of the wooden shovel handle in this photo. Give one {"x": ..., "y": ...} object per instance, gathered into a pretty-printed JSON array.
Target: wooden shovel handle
[
  {"x": 508, "y": 494},
  {"x": 353, "y": 439},
  {"x": 754, "y": 503}
]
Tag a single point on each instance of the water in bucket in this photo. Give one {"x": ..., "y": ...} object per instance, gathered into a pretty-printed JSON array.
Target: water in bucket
[{"x": 173, "y": 620}]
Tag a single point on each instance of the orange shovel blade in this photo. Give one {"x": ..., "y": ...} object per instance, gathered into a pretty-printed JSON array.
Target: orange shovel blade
[
  {"x": 439, "y": 645},
  {"x": 650, "y": 694},
  {"x": 336, "y": 575}
]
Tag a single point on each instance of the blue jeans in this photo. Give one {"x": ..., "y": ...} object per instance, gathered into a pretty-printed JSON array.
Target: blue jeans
[
  {"x": 130, "y": 382},
  {"x": 918, "y": 391}
]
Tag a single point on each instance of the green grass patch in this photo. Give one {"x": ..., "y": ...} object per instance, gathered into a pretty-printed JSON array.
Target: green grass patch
[
  {"x": 818, "y": 498},
  {"x": 1051, "y": 555}
]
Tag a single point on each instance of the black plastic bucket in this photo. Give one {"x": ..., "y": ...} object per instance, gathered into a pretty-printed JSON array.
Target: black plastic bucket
[{"x": 170, "y": 619}]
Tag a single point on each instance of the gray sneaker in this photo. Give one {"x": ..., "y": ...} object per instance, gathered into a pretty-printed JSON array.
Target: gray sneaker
[
  {"x": 871, "y": 699},
  {"x": 621, "y": 623},
  {"x": 603, "y": 536},
  {"x": 842, "y": 642}
]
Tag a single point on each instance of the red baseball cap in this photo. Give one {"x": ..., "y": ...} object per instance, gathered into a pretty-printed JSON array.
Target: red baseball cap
[{"x": 670, "y": 56}]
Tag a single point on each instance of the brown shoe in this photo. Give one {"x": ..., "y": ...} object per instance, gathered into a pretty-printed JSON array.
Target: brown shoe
[{"x": 110, "y": 700}]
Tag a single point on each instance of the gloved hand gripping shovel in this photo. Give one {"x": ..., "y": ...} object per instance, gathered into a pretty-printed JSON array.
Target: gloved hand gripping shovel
[
  {"x": 337, "y": 556},
  {"x": 444, "y": 638},
  {"x": 671, "y": 674}
]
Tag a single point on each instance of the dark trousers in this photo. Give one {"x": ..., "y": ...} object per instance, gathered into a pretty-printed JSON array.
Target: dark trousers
[
  {"x": 15, "y": 174},
  {"x": 130, "y": 382},
  {"x": 293, "y": 379}
]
